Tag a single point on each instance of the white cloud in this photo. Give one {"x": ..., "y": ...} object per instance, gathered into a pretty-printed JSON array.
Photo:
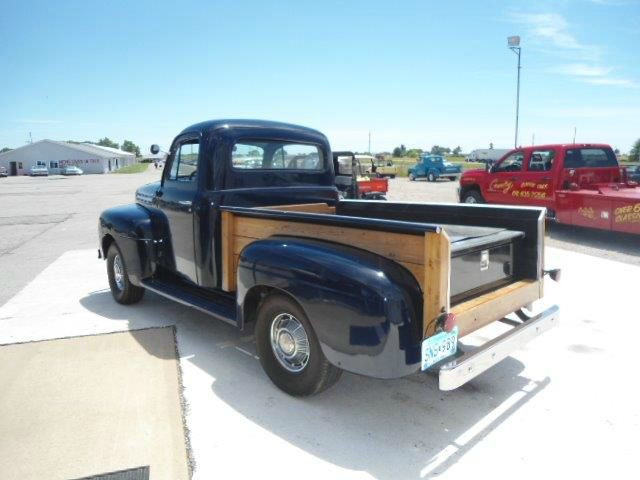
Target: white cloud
[
  {"x": 620, "y": 82},
  {"x": 553, "y": 29},
  {"x": 583, "y": 70}
]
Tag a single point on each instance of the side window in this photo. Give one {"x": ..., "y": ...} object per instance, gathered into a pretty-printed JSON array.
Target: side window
[
  {"x": 513, "y": 163},
  {"x": 541, "y": 160},
  {"x": 184, "y": 166}
]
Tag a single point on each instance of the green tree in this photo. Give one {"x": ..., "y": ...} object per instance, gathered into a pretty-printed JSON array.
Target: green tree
[
  {"x": 414, "y": 152},
  {"x": 457, "y": 150},
  {"x": 634, "y": 154},
  {"x": 129, "y": 146},
  {"x": 6, "y": 149},
  {"x": 106, "y": 142},
  {"x": 400, "y": 151},
  {"x": 438, "y": 150},
  {"x": 490, "y": 145}
]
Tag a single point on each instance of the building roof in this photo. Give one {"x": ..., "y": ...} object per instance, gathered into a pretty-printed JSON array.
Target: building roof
[
  {"x": 95, "y": 150},
  {"x": 115, "y": 151}
]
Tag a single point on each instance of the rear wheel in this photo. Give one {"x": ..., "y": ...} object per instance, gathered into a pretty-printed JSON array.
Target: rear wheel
[
  {"x": 412, "y": 177},
  {"x": 289, "y": 349},
  {"x": 431, "y": 177},
  {"x": 122, "y": 289},
  {"x": 472, "y": 196}
]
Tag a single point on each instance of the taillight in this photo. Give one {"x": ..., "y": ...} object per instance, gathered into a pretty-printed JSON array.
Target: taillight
[{"x": 447, "y": 322}]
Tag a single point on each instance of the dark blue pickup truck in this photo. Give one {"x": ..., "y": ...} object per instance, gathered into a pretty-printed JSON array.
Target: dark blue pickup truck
[{"x": 247, "y": 225}]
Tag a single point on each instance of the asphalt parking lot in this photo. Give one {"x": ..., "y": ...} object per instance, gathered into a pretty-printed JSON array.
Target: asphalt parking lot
[{"x": 565, "y": 405}]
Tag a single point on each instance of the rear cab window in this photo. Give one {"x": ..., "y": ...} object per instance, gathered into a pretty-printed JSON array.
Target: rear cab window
[
  {"x": 589, "y": 158},
  {"x": 277, "y": 155}
]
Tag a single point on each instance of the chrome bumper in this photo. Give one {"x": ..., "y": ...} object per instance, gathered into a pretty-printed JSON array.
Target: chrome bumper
[{"x": 459, "y": 371}]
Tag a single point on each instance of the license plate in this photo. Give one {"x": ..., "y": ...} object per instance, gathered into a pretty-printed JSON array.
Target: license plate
[{"x": 438, "y": 347}]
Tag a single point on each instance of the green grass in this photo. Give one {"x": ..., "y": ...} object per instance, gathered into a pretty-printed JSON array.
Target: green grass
[
  {"x": 135, "y": 168},
  {"x": 403, "y": 164}
]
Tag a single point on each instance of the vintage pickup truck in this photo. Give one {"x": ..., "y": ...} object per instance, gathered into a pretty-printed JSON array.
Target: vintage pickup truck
[
  {"x": 247, "y": 226},
  {"x": 578, "y": 184}
]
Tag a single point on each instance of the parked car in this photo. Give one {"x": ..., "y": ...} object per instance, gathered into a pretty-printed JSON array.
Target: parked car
[
  {"x": 378, "y": 166},
  {"x": 634, "y": 173},
  {"x": 3, "y": 172},
  {"x": 72, "y": 170},
  {"x": 374, "y": 288},
  {"x": 38, "y": 171},
  {"x": 433, "y": 167}
]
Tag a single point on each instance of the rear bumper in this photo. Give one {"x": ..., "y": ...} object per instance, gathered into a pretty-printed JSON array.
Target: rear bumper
[{"x": 461, "y": 370}]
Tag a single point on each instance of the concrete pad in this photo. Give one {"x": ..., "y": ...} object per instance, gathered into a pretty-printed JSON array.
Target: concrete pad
[
  {"x": 83, "y": 406},
  {"x": 564, "y": 406}
]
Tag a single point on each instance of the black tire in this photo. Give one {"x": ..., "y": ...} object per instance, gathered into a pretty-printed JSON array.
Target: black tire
[
  {"x": 316, "y": 375},
  {"x": 453, "y": 179},
  {"x": 431, "y": 177},
  {"x": 126, "y": 293},
  {"x": 412, "y": 177},
  {"x": 472, "y": 196},
  {"x": 393, "y": 175}
]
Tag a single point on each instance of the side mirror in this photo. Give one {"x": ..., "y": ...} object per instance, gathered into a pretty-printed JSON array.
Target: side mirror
[
  {"x": 488, "y": 167},
  {"x": 155, "y": 149}
]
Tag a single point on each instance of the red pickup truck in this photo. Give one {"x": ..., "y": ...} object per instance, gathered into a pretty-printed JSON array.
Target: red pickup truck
[{"x": 579, "y": 184}]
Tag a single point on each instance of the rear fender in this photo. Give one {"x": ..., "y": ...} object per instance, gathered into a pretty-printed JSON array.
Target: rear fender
[{"x": 365, "y": 309}]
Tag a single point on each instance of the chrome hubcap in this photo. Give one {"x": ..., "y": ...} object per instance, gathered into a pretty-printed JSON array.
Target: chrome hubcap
[
  {"x": 289, "y": 342},
  {"x": 118, "y": 272},
  {"x": 470, "y": 200}
]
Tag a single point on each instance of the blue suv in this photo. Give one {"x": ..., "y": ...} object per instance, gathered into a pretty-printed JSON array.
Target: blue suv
[{"x": 433, "y": 167}]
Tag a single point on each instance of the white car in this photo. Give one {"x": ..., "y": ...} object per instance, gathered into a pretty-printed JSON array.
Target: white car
[
  {"x": 72, "y": 170},
  {"x": 38, "y": 171}
]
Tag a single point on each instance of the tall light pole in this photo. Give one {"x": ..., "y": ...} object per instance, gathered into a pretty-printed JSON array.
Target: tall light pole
[{"x": 513, "y": 43}]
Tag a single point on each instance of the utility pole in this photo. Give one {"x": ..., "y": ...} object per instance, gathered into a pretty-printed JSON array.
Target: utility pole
[
  {"x": 574, "y": 134},
  {"x": 369, "y": 151},
  {"x": 514, "y": 45}
]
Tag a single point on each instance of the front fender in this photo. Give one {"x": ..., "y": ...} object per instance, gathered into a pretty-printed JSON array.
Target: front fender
[
  {"x": 365, "y": 309},
  {"x": 133, "y": 229}
]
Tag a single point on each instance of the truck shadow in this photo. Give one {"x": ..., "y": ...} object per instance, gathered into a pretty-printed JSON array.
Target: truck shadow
[
  {"x": 404, "y": 428},
  {"x": 601, "y": 242}
]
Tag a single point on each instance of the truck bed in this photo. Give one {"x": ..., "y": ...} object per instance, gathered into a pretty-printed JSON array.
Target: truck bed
[{"x": 437, "y": 254}]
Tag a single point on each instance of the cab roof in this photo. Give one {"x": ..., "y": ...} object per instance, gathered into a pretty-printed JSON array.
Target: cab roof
[{"x": 263, "y": 126}]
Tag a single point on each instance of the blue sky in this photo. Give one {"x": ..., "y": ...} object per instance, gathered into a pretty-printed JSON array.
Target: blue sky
[{"x": 413, "y": 72}]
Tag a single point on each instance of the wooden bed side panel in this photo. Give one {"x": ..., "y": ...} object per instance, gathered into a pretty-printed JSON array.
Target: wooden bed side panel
[
  {"x": 400, "y": 247},
  {"x": 480, "y": 311},
  {"x": 228, "y": 239},
  {"x": 238, "y": 232},
  {"x": 437, "y": 275},
  {"x": 306, "y": 207}
]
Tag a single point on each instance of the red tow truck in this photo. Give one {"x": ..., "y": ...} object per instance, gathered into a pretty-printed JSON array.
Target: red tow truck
[{"x": 579, "y": 184}]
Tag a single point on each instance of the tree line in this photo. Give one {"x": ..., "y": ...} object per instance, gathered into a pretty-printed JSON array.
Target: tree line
[
  {"x": 127, "y": 145},
  {"x": 402, "y": 151}
]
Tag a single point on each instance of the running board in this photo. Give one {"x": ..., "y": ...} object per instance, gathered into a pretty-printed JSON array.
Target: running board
[{"x": 220, "y": 306}]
